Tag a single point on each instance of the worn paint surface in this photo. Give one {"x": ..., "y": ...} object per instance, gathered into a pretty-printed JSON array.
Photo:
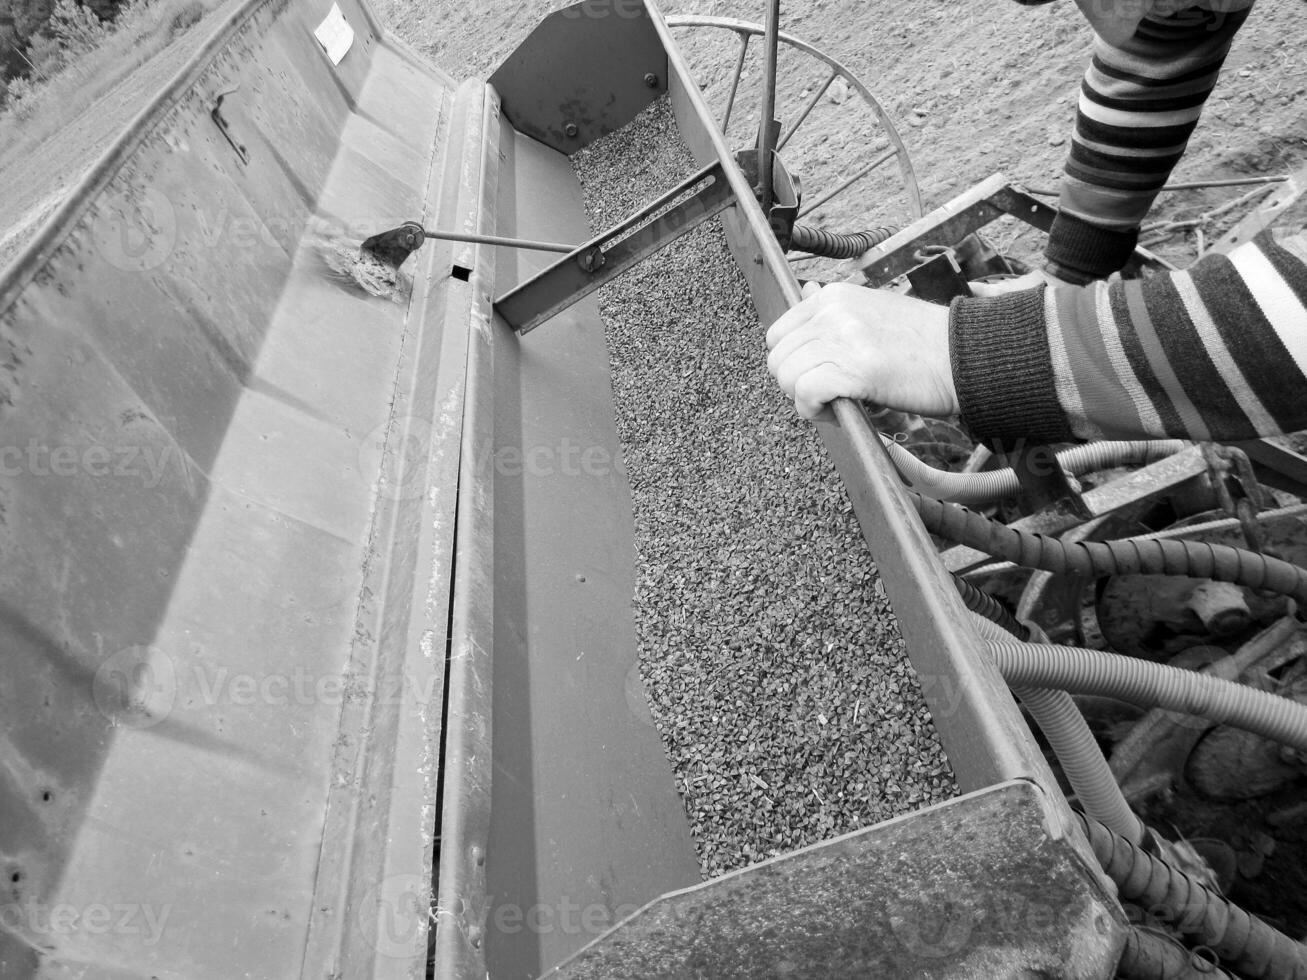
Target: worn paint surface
[
  {"x": 202, "y": 618},
  {"x": 973, "y": 889}
]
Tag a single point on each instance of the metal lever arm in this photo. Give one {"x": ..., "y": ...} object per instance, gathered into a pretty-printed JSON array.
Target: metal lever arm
[
  {"x": 768, "y": 128},
  {"x": 612, "y": 253}
]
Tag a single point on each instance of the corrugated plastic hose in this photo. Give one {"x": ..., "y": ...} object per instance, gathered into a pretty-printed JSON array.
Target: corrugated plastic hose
[
  {"x": 1094, "y": 558},
  {"x": 1150, "y": 956},
  {"x": 984, "y": 488},
  {"x": 1152, "y": 685},
  {"x": 834, "y": 245},
  {"x": 1076, "y": 749},
  {"x": 1245, "y": 943},
  {"x": 1252, "y": 947},
  {"x": 1082, "y": 760}
]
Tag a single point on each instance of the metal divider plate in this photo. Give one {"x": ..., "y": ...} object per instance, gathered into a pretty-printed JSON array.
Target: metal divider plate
[{"x": 586, "y": 823}]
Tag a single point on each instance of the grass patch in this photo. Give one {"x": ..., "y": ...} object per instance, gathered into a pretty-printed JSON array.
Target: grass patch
[{"x": 141, "y": 30}]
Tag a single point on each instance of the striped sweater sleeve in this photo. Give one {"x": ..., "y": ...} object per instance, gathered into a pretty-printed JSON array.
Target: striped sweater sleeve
[
  {"x": 1139, "y": 103},
  {"x": 1216, "y": 352}
]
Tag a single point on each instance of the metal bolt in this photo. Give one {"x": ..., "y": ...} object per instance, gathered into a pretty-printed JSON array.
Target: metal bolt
[
  {"x": 570, "y": 129},
  {"x": 591, "y": 260},
  {"x": 651, "y": 79}
]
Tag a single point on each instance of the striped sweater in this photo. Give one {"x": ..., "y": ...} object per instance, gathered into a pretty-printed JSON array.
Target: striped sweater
[
  {"x": 1217, "y": 352},
  {"x": 1139, "y": 104}
]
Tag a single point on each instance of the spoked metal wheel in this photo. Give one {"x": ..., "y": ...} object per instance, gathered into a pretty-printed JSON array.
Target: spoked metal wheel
[{"x": 835, "y": 136}]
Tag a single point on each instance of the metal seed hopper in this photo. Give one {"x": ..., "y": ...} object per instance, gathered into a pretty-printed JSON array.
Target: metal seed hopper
[{"x": 290, "y": 687}]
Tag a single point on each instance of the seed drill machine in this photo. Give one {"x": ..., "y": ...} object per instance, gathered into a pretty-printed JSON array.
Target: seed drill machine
[{"x": 300, "y": 697}]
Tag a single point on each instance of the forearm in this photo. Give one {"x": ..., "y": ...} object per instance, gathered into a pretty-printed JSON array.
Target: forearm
[
  {"x": 1139, "y": 104},
  {"x": 1215, "y": 352}
]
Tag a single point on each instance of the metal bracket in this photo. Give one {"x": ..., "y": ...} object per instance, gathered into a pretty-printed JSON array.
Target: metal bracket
[
  {"x": 1265, "y": 213},
  {"x": 606, "y": 257},
  {"x": 939, "y": 279},
  {"x": 1045, "y": 485},
  {"x": 216, "y": 115},
  {"x": 967, "y": 213},
  {"x": 1277, "y": 465},
  {"x": 785, "y": 197}
]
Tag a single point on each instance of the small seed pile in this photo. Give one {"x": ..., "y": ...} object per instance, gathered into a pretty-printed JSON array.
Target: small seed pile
[
  {"x": 344, "y": 262},
  {"x": 772, "y": 661}
]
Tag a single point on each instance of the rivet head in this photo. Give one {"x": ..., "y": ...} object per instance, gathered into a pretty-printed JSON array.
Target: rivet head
[
  {"x": 651, "y": 79},
  {"x": 570, "y": 129}
]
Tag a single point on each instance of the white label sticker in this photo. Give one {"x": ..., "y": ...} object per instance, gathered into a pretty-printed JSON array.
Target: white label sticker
[{"x": 335, "y": 35}]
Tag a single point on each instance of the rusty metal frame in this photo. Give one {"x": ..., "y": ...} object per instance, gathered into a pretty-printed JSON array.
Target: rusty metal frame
[
  {"x": 970, "y": 211},
  {"x": 1277, "y": 465},
  {"x": 984, "y": 734},
  {"x": 975, "y": 714}
]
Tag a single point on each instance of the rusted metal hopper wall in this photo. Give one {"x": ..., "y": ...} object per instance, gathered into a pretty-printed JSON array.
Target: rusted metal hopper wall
[
  {"x": 192, "y": 416},
  {"x": 978, "y": 720}
]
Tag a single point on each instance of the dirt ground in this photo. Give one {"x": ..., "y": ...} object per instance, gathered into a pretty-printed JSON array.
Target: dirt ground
[{"x": 974, "y": 88}]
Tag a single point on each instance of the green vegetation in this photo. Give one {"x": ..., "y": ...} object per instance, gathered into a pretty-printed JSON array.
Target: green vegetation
[
  {"x": 41, "y": 39},
  {"x": 74, "y": 56},
  {"x": 37, "y": 35}
]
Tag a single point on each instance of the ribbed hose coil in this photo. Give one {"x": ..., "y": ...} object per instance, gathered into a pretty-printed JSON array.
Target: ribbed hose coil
[
  {"x": 1249, "y": 946},
  {"x": 1194, "y": 559},
  {"x": 1148, "y": 956},
  {"x": 983, "y": 604},
  {"x": 836, "y": 245}
]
